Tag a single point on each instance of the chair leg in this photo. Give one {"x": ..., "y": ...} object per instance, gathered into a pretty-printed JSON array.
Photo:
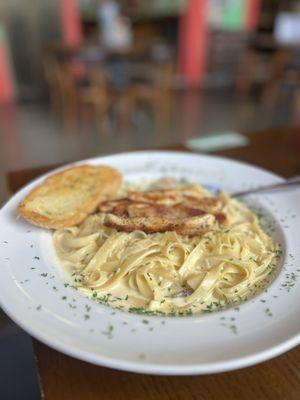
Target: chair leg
[
  {"x": 102, "y": 118},
  {"x": 125, "y": 108},
  {"x": 162, "y": 112},
  {"x": 55, "y": 103},
  {"x": 70, "y": 109},
  {"x": 271, "y": 94}
]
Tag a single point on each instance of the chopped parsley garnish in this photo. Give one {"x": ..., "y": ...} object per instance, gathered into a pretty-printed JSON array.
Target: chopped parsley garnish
[
  {"x": 233, "y": 329},
  {"x": 268, "y": 312},
  {"x": 109, "y": 332}
]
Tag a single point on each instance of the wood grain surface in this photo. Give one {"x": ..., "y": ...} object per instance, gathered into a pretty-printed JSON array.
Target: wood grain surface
[{"x": 62, "y": 377}]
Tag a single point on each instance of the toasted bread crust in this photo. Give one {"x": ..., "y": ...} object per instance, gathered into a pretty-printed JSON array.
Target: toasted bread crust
[{"x": 69, "y": 196}]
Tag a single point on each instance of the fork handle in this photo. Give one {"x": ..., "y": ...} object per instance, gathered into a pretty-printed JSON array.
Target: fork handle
[{"x": 287, "y": 184}]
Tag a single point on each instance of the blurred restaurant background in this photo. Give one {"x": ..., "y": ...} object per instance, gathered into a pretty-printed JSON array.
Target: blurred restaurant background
[{"x": 81, "y": 78}]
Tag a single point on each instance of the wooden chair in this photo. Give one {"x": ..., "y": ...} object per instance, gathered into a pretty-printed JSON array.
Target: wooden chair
[
  {"x": 277, "y": 77},
  {"x": 50, "y": 67},
  {"x": 255, "y": 62},
  {"x": 253, "y": 70},
  {"x": 69, "y": 96},
  {"x": 150, "y": 85}
]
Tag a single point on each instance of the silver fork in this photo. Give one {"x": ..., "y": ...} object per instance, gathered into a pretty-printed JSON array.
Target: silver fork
[{"x": 288, "y": 184}]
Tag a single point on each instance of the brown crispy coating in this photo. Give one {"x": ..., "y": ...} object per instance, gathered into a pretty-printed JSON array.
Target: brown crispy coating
[{"x": 186, "y": 211}]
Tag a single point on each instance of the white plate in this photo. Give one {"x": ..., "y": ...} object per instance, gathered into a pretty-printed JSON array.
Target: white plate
[{"x": 33, "y": 294}]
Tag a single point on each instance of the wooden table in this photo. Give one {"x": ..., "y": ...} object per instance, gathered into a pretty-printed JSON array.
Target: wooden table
[{"x": 62, "y": 377}]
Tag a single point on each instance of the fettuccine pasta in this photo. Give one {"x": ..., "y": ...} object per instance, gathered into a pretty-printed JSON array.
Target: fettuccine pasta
[{"x": 167, "y": 273}]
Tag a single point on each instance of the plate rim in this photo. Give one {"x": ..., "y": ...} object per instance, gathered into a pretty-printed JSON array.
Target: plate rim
[
  {"x": 163, "y": 369},
  {"x": 141, "y": 152},
  {"x": 143, "y": 366}
]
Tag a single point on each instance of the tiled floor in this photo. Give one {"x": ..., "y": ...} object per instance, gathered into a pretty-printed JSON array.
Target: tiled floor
[{"x": 30, "y": 136}]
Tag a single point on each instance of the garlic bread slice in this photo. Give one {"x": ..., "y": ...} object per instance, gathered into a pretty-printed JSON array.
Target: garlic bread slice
[{"x": 67, "y": 197}]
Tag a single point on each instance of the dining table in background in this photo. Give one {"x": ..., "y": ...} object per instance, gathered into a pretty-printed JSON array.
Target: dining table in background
[{"x": 63, "y": 377}]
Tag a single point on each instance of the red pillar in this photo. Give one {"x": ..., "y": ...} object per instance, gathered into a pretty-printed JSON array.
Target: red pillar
[
  {"x": 70, "y": 23},
  {"x": 192, "y": 41},
  {"x": 7, "y": 87},
  {"x": 252, "y": 9}
]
